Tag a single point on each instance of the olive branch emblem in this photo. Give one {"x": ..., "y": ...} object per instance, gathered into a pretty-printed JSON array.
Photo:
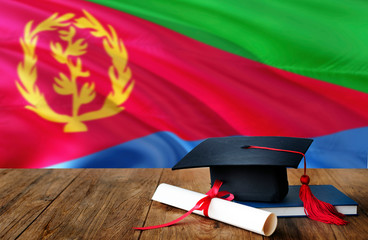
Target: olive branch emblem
[{"x": 66, "y": 84}]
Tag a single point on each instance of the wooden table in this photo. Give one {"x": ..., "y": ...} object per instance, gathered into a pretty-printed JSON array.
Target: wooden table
[{"x": 107, "y": 203}]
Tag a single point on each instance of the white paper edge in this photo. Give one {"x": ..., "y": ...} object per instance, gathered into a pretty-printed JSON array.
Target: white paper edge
[{"x": 235, "y": 214}]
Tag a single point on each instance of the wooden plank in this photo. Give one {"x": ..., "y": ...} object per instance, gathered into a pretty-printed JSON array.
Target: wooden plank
[
  {"x": 107, "y": 203},
  {"x": 25, "y": 193},
  {"x": 194, "y": 226},
  {"x": 354, "y": 183},
  {"x": 302, "y": 227},
  {"x": 99, "y": 204},
  {"x": 349, "y": 181}
]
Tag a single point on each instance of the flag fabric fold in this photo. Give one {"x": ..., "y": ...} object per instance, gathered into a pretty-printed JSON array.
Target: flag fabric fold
[{"x": 85, "y": 83}]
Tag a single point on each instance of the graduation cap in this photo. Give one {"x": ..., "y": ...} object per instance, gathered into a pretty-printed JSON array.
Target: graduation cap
[
  {"x": 250, "y": 174},
  {"x": 254, "y": 169}
]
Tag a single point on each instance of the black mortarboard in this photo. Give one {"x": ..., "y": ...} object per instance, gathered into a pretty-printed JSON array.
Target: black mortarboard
[{"x": 250, "y": 174}]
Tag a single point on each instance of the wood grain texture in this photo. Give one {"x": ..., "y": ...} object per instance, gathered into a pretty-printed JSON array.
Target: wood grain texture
[
  {"x": 99, "y": 204},
  {"x": 352, "y": 182},
  {"x": 198, "y": 227},
  {"x": 194, "y": 226},
  {"x": 25, "y": 193},
  {"x": 108, "y": 203}
]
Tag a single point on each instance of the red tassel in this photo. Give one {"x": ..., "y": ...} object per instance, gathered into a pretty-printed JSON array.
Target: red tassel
[
  {"x": 316, "y": 209},
  {"x": 313, "y": 208}
]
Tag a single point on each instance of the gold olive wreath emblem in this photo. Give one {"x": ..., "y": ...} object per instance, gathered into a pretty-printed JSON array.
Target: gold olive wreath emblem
[{"x": 120, "y": 75}]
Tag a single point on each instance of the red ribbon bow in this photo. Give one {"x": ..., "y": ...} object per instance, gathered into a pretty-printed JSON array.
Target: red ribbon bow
[{"x": 202, "y": 205}]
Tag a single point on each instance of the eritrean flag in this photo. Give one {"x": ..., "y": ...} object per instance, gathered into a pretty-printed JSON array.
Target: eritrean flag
[{"x": 125, "y": 83}]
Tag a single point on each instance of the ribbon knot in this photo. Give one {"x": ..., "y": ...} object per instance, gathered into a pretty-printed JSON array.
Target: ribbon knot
[
  {"x": 202, "y": 205},
  {"x": 212, "y": 193}
]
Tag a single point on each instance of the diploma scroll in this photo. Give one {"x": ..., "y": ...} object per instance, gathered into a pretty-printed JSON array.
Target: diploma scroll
[{"x": 249, "y": 218}]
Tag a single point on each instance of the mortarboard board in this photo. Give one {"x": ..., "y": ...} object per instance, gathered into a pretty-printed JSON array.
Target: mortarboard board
[{"x": 251, "y": 174}]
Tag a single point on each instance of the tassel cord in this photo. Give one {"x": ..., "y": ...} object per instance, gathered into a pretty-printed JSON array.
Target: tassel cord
[{"x": 314, "y": 208}]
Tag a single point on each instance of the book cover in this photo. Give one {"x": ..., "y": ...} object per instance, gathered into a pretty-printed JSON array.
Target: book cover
[{"x": 293, "y": 206}]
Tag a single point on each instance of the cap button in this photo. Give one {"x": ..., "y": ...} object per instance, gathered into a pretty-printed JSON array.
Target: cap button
[{"x": 305, "y": 179}]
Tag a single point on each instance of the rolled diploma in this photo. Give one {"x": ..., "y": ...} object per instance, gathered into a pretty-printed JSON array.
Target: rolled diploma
[{"x": 242, "y": 216}]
